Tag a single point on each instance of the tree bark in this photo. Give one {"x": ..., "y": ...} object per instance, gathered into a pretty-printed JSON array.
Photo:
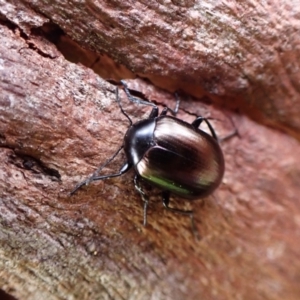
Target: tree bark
[{"x": 59, "y": 121}]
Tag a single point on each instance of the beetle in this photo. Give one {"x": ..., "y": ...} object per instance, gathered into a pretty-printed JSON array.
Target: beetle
[{"x": 175, "y": 156}]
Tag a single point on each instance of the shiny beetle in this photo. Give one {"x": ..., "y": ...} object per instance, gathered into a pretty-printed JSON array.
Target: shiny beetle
[{"x": 166, "y": 152}]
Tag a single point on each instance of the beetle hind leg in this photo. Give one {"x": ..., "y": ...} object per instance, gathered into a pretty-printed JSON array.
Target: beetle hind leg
[
  {"x": 166, "y": 200},
  {"x": 197, "y": 122},
  {"x": 172, "y": 111},
  {"x": 144, "y": 197},
  {"x": 229, "y": 136}
]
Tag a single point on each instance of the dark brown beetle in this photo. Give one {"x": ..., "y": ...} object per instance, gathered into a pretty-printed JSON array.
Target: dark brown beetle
[{"x": 173, "y": 155}]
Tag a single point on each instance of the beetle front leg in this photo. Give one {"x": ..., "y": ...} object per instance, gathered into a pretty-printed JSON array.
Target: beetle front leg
[
  {"x": 125, "y": 168},
  {"x": 166, "y": 200},
  {"x": 154, "y": 111},
  {"x": 144, "y": 197}
]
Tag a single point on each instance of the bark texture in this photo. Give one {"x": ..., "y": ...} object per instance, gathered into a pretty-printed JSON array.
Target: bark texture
[
  {"x": 59, "y": 121},
  {"x": 243, "y": 54}
]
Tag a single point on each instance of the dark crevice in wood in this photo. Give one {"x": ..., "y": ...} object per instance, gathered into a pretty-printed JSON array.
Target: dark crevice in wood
[
  {"x": 6, "y": 296},
  {"x": 35, "y": 31},
  {"x": 52, "y": 32},
  {"x": 6, "y": 22},
  {"x": 34, "y": 165},
  {"x": 27, "y": 162}
]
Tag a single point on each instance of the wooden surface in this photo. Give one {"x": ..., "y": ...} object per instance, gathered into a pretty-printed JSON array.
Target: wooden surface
[
  {"x": 59, "y": 121},
  {"x": 245, "y": 54}
]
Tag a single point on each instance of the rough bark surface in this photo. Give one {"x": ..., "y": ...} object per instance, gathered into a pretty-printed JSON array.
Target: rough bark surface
[
  {"x": 241, "y": 53},
  {"x": 59, "y": 121}
]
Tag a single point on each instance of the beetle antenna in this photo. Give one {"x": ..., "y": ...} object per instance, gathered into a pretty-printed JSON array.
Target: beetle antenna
[
  {"x": 96, "y": 173},
  {"x": 122, "y": 110}
]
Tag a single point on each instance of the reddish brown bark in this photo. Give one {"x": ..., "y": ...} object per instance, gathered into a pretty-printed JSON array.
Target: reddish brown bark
[
  {"x": 242, "y": 54},
  {"x": 59, "y": 121}
]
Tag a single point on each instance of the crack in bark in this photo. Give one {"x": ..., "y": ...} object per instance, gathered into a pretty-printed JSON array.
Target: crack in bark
[
  {"x": 26, "y": 162},
  {"x": 34, "y": 165},
  {"x": 47, "y": 31}
]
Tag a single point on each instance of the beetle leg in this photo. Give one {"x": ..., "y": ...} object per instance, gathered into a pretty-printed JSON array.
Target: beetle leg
[
  {"x": 234, "y": 132},
  {"x": 173, "y": 112},
  {"x": 143, "y": 196},
  {"x": 197, "y": 122},
  {"x": 95, "y": 176},
  {"x": 121, "y": 108},
  {"x": 125, "y": 168},
  {"x": 164, "y": 111},
  {"x": 230, "y": 135},
  {"x": 135, "y": 99},
  {"x": 166, "y": 200},
  {"x": 154, "y": 111}
]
